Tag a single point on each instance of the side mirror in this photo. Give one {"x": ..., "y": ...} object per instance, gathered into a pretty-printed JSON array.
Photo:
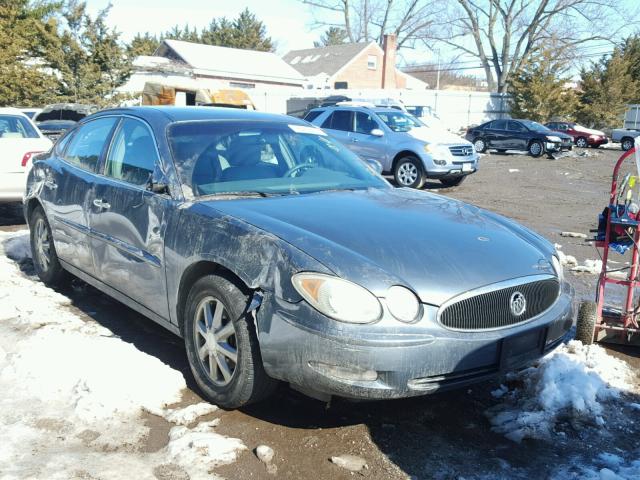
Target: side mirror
[
  {"x": 376, "y": 132},
  {"x": 374, "y": 165}
]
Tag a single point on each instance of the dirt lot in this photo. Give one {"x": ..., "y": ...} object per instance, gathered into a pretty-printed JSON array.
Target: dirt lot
[{"x": 442, "y": 436}]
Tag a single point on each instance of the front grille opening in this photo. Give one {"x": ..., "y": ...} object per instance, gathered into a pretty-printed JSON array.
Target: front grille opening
[{"x": 493, "y": 309}]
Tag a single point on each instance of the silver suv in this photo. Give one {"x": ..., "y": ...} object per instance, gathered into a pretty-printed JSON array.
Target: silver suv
[{"x": 401, "y": 143}]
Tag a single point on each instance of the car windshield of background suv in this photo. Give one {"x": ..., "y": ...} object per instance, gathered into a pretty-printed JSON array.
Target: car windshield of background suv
[
  {"x": 399, "y": 121},
  {"x": 12, "y": 126},
  {"x": 243, "y": 158}
]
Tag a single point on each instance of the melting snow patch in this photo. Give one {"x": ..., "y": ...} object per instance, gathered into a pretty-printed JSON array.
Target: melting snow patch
[
  {"x": 74, "y": 392},
  {"x": 571, "y": 383},
  {"x": 593, "y": 267},
  {"x": 187, "y": 415}
]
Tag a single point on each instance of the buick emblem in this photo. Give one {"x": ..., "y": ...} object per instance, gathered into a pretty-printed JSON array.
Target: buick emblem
[{"x": 518, "y": 304}]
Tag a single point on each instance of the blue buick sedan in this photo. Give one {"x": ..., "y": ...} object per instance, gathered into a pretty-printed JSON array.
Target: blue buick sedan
[{"x": 277, "y": 255}]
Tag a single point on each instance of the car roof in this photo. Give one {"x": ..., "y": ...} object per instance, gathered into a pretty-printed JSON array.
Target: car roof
[
  {"x": 359, "y": 108},
  {"x": 180, "y": 114},
  {"x": 11, "y": 111}
]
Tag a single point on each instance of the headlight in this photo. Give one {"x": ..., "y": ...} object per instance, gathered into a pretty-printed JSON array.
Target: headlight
[
  {"x": 553, "y": 138},
  {"x": 338, "y": 298},
  {"x": 402, "y": 303},
  {"x": 429, "y": 148},
  {"x": 557, "y": 266}
]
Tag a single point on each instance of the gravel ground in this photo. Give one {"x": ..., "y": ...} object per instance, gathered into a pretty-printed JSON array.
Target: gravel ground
[{"x": 441, "y": 436}]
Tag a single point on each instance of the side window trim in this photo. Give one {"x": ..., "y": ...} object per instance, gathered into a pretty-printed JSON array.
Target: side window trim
[{"x": 157, "y": 163}]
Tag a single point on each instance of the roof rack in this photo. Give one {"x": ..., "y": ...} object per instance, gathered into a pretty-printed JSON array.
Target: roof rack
[{"x": 354, "y": 103}]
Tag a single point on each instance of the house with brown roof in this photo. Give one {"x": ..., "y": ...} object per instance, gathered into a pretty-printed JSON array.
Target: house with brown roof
[{"x": 352, "y": 66}]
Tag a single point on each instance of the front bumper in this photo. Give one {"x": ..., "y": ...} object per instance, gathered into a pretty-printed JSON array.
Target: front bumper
[
  {"x": 394, "y": 360},
  {"x": 553, "y": 146},
  {"x": 450, "y": 166}
]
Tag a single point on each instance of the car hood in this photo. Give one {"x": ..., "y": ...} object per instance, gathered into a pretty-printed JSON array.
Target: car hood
[
  {"x": 436, "y": 135},
  {"x": 436, "y": 246}
]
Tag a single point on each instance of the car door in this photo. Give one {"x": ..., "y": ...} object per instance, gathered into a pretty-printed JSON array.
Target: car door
[
  {"x": 338, "y": 124},
  {"x": 128, "y": 220},
  {"x": 518, "y": 136},
  {"x": 366, "y": 145},
  {"x": 68, "y": 190},
  {"x": 496, "y": 134}
]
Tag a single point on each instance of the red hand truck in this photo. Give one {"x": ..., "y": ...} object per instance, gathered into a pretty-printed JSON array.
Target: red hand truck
[{"x": 598, "y": 322}]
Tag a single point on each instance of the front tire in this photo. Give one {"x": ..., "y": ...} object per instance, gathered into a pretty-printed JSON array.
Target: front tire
[
  {"x": 43, "y": 250},
  {"x": 536, "y": 148},
  {"x": 452, "y": 181},
  {"x": 581, "y": 142},
  {"x": 409, "y": 172},
  {"x": 221, "y": 343},
  {"x": 586, "y": 322}
]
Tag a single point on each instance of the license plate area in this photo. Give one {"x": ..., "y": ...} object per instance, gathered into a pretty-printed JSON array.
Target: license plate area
[
  {"x": 466, "y": 167},
  {"x": 519, "y": 349}
]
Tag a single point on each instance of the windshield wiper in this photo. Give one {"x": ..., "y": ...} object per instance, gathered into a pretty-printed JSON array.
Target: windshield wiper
[{"x": 251, "y": 193}]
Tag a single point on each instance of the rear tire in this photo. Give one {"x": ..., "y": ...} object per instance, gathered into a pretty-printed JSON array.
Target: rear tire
[
  {"x": 627, "y": 143},
  {"x": 480, "y": 145},
  {"x": 536, "y": 148},
  {"x": 43, "y": 250},
  {"x": 452, "y": 182},
  {"x": 586, "y": 323},
  {"x": 222, "y": 346},
  {"x": 409, "y": 172},
  {"x": 581, "y": 142}
]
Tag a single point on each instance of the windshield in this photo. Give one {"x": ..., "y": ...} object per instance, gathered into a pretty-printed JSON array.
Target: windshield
[
  {"x": 399, "y": 121},
  {"x": 16, "y": 127},
  {"x": 535, "y": 126},
  {"x": 248, "y": 157}
]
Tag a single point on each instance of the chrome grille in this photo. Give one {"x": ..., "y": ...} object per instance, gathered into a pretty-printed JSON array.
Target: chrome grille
[
  {"x": 461, "y": 150},
  {"x": 493, "y": 309}
]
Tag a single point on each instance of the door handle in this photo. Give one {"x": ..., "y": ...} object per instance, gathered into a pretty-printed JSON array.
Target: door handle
[
  {"x": 101, "y": 204},
  {"x": 50, "y": 184},
  {"x": 354, "y": 140}
]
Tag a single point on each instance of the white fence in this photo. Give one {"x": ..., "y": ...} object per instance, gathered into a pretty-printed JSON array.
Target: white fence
[{"x": 456, "y": 109}]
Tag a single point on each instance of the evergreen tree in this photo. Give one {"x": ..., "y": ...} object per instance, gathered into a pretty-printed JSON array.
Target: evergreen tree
[
  {"x": 609, "y": 85},
  {"x": 26, "y": 31},
  {"x": 142, "y": 45},
  {"x": 333, "y": 36},
  {"x": 538, "y": 90}
]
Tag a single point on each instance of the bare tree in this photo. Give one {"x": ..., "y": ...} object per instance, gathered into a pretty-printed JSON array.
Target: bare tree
[
  {"x": 369, "y": 20},
  {"x": 503, "y": 34}
]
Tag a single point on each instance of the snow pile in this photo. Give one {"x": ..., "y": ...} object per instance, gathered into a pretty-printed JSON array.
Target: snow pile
[
  {"x": 565, "y": 260},
  {"x": 608, "y": 466},
  {"x": 571, "y": 383},
  {"x": 187, "y": 415},
  {"x": 594, "y": 267},
  {"x": 75, "y": 393}
]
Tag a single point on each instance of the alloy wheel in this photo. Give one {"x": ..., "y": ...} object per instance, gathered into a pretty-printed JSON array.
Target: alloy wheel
[
  {"x": 627, "y": 145},
  {"x": 581, "y": 142},
  {"x": 535, "y": 149},
  {"x": 215, "y": 341},
  {"x": 42, "y": 244},
  {"x": 479, "y": 145},
  {"x": 407, "y": 174}
]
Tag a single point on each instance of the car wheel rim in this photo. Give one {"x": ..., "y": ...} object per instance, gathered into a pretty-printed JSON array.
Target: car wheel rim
[
  {"x": 479, "y": 145},
  {"x": 535, "y": 149},
  {"x": 215, "y": 341},
  {"x": 407, "y": 174},
  {"x": 42, "y": 244},
  {"x": 627, "y": 145},
  {"x": 581, "y": 142}
]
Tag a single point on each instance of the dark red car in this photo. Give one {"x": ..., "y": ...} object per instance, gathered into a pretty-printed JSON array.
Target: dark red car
[{"x": 583, "y": 137}]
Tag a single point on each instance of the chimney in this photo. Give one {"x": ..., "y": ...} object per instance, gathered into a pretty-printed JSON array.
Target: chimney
[{"x": 389, "y": 62}]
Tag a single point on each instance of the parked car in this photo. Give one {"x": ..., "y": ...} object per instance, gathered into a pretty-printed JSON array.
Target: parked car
[
  {"x": 278, "y": 255},
  {"x": 401, "y": 143},
  {"x": 53, "y": 129},
  {"x": 20, "y": 140},
  {"x": 57, "y": 118},
  {"x": 517, "y": 134},
  {"x": 583, "y": 137},
  {"x": 625, "y": 136},
  {"x": 30, "y": 112}
]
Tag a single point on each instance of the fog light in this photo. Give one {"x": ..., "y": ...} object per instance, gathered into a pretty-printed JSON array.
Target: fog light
[
  {"x": 342, "y": 372},
  {"x": 440, "y": 162}
]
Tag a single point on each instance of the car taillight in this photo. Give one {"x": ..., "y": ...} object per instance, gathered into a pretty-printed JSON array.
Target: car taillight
[{"x": 27, "y": 157}]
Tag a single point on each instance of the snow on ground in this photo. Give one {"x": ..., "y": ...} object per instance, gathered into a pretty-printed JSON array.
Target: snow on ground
[
  {"x": 571, "y": 383},
  {"x": 73, "y": 394}
]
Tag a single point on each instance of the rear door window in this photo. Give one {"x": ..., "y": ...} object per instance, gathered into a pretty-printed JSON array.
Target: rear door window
[
  {"x": 499, "y": 125},
  {"x": 85, "y": 148},
  {"x": 132, "y": 155}
]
